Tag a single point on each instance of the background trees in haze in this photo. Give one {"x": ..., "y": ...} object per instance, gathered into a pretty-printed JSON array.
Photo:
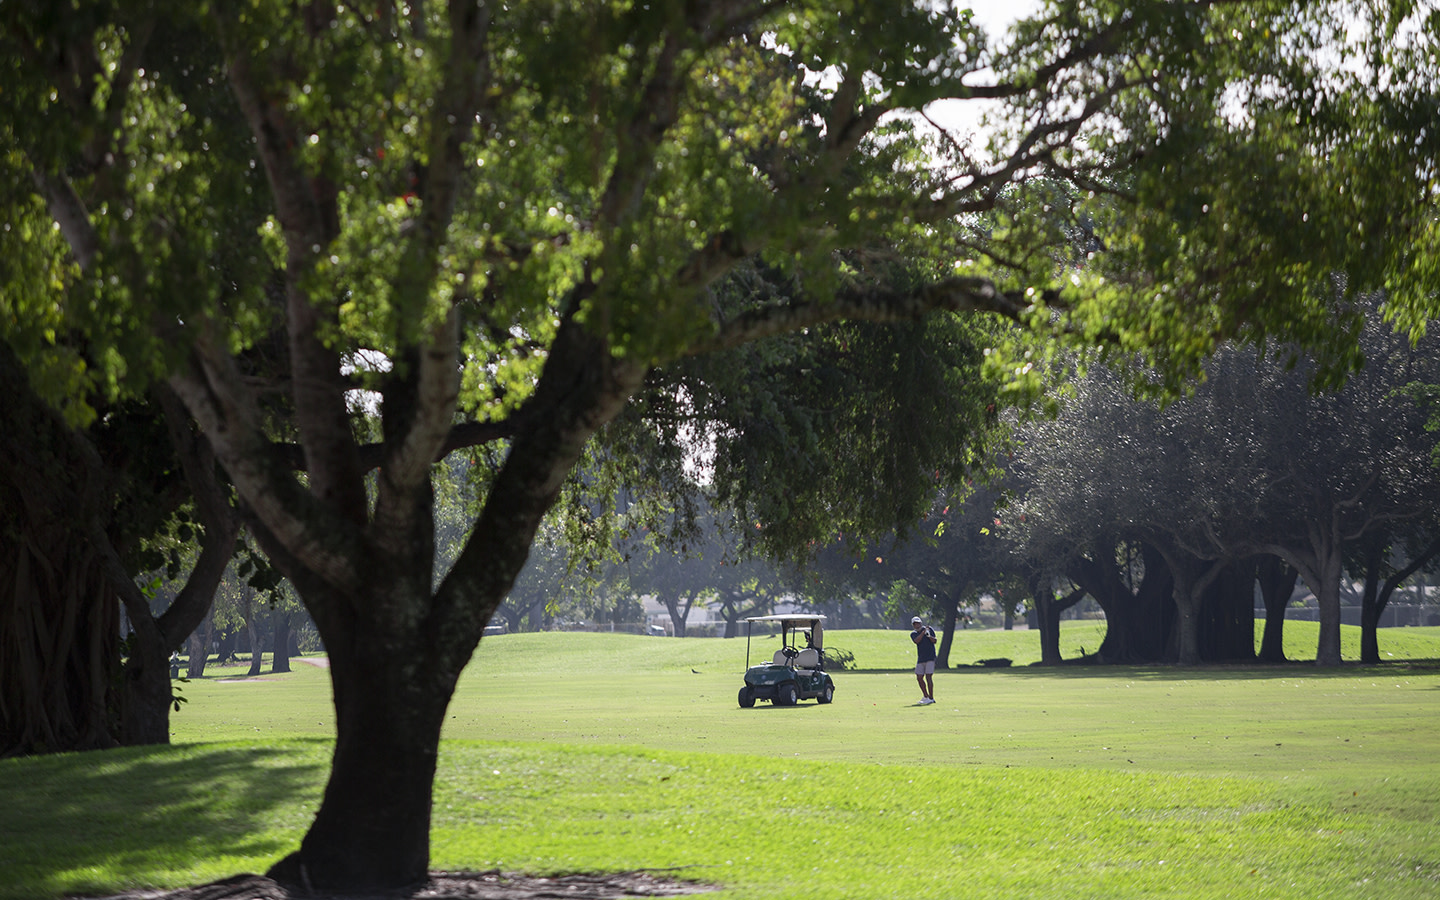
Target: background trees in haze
[
  {"x": 942, "y": 563},
  {"x": 680, "y": 576},
  {"x": 540, "y": 583},
  {"x": 1254, "y": 463}
]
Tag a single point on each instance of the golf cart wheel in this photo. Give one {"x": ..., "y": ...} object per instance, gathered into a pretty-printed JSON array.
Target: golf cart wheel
[
  {"x": 747, "y": 697},
  {"x": 827, "y": 693},
  {"x": 787, "y": 695}
]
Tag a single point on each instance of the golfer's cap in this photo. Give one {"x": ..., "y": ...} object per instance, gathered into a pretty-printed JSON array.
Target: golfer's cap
[{"x": 915, "y": 621}]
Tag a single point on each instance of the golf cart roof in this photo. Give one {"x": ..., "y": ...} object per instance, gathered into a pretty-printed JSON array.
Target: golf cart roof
[
  {"x": 791, "y": 627},
  {"x": 793, "y": 617}
]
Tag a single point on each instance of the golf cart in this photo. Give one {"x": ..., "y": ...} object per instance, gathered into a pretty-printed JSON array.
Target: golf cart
[{"x": 797, "y": 671}]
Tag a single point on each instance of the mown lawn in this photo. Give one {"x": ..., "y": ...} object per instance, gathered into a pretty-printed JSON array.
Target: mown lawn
[{"x": 610, "y": 752}]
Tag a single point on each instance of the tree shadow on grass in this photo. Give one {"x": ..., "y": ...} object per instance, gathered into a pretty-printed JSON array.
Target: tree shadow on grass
[
  {"x": 1204, "y": 672},
  {"x": 76, "y": 823}
]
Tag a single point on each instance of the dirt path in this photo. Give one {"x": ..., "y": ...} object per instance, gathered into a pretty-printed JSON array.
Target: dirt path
[{"x": 450, "y": 886}]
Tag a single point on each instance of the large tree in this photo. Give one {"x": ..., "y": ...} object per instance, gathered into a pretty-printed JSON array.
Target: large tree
[
  {"x": 499, "y": 219},
  {"x": 849, "y": 429},
  {"x": 1387, "y": 561},
  {"x": 1350, "y": 468},
  {"x": 1253, "y": 462},
  {"x": 83, "y": 513},
  {"x": 59, "y": 628}
]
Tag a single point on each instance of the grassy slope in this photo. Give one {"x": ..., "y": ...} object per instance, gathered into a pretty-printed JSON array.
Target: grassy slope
[{"x": 608, "y": 751}]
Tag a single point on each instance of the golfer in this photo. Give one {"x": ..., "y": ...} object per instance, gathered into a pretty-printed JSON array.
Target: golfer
[{"x": 924, "y": 638}]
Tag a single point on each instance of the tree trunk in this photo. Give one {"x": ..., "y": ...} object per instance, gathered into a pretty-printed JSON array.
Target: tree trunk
[
  {"x": 1378, "y": 597},
  {"x": 1327, "y": 595},
  {"x": 59, "y": 649},
  {"x": 252, "y": 633},
  {"x": 225, "y": 650},
  {"x": 513, "y": 617},
  {"x": 537, "y": 615},
  {"x": 1371, "y": 606},
  {"x": 200, "y": 647},
  {"x": 373, "y": 826},
  {"x": 149, "y": 694},
  {"x": 1370, "y": 612},
  {"x": 679, "y": 612},
  {"x": 280, "y": 659},
  {"x": 1277, "y": 584},
  {"x": 396, "y": 643},
  {"x": 1048, "y": 608},
  {"x": 1136, "y": 623},
  {"x": 1227, "y": 615},
  {"x": 952, "y": 613},
  {"x": 146, "y": 698},
  {"x": 1320, "y": 561},
  {"x": 1047, "y": 616},
  {"x": 1192, "y": 578},
  {"x": 1187, "y": 621},
  {"x": 59, "y": 619}
]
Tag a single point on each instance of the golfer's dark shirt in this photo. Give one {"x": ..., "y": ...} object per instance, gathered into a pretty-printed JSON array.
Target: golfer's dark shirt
[{"x": 925, "y": 651}]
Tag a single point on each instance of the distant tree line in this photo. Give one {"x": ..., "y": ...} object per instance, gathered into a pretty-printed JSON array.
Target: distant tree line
[{"x": 1173, "y": 517}]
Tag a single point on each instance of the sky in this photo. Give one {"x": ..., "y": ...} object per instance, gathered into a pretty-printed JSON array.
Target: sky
[{"x": 995, "y": 16}]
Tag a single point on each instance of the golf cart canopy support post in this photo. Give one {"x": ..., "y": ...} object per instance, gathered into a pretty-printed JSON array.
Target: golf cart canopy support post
[{"x": 788, "y": 622}]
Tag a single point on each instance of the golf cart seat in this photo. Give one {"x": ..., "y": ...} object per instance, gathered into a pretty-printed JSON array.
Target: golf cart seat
[
  {"x": 780, "y": 658},
  {"x": 809, "y": 658}
]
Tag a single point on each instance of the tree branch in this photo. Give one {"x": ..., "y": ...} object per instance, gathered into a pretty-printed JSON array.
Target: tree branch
[
  {"x": 409, "y": 451},
  {"x": 221, "y": 525},
  {"x": 581, "y": 388},
  {"x": 71, "y": 215},
  {"x": 1415, "y": 565},
  {"x": 306, "y": 208},
  {"x": 952, "y": 295},
  {"x": 656, "y": 108},
  {"x": 213, "y": 391}
]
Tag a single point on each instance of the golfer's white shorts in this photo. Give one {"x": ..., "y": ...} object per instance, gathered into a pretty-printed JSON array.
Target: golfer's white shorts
[{"x": 925, "y": 668}]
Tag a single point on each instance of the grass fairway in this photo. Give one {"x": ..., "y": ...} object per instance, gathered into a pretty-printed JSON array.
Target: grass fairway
[{"x": 610, "y": 752}]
